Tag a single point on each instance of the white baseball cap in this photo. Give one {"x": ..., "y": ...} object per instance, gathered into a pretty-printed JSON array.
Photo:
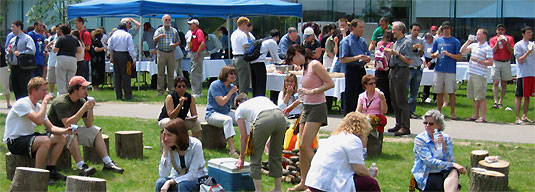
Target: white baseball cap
[
  {"x": 193, "y": 21},
  {"x": 308, "y": 32}
]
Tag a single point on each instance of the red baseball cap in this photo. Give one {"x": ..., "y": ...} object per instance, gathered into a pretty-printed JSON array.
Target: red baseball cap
[
  {"x": 434, "y": 28},
  {"x": 79, "y": 80}
]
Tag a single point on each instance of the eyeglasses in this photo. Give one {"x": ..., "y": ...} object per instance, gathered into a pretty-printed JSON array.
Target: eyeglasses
[
  {"x": 372, "y": 83},
  {"x": 181, "y": 86},
  {"x": 428, "y": 123},
  {"x": 232, "y": 73}
]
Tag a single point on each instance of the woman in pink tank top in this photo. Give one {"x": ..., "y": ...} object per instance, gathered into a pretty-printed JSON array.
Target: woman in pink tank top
[{"x": 314, "y": 82}]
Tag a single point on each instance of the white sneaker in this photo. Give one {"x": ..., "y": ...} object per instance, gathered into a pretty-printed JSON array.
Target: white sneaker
[
  {"x": 197, "y": 96},
  {"x": 428, "y": 100}
]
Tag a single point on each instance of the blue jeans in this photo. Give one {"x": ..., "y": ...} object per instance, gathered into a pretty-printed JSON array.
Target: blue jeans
[
  {"x": 414, "y": 87},
  {"x": 182, "y": 186},
  {"x": 339, "y": 67}
]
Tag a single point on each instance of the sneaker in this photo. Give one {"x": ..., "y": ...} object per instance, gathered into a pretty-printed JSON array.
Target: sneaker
[
  {"x": 86, "y": 170},
  {"x": 55, "y": 176},
  {"x": 428, "y": 100},
  {"x": 197, "y": 96},
  {"x": 113, "y": 167}
]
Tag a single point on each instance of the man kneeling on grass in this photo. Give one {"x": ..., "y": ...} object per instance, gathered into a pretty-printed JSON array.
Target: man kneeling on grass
[
  {"x": 20, "y": 125},
  {"x": 66, "y": 110}
]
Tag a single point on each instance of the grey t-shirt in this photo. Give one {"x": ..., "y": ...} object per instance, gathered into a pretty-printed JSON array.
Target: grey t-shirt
[
  {"x": 404, "y": 47},
  {"x": 416, "y": 59}
]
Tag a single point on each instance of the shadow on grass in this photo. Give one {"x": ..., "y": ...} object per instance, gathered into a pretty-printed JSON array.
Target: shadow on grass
[{"x": 385, "y": 156}]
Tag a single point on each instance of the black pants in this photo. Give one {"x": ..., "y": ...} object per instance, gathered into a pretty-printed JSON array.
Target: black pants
[
  {"x": 38, "y": 71},
  {"x": 354, "y": 74},
  {"x": 427, "y": 88},
  {"x": 19, "y": 81},
  {"x": 82, "y": 69},
  {"x": 384, "y": 85},
  {"x": 258, "y": 78},
  {"x": 98, "y": 69},
  {"x": 122, "y": 80}
]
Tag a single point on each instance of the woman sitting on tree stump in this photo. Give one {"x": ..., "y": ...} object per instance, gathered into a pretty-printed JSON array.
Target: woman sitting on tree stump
[{"x": 434, "y": 167}]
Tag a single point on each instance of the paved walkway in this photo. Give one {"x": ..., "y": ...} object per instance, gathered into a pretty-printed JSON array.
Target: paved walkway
[{"x": 456, "y": 129}]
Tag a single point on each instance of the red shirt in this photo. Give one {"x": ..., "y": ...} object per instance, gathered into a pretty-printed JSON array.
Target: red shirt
[
  {"x": 86, "y": 37},
  {"x": 503, "y": 53},
  {"x": 197, "y": 39}
]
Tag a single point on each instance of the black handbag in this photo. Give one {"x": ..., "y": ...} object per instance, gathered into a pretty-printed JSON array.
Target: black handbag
[{"x": 26, "y": 61}]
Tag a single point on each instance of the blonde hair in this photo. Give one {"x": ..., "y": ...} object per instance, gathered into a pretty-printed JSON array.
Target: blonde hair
[
  {"x": 355, "y": 123},
  {"x": 36, "y": 83},
  {"x": 289, "y": 77},
  {"x": 243, "y": 20}
]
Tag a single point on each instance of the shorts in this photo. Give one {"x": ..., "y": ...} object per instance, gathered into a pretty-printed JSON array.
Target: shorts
[
  {"x": 193, "y": 125},
  {"x": 477, "y": 87},
  {"x": 314, "y": 113},
  {"x": 435, "y": 181},
  {"x": 525, "y": 87},
  {"x": 501, "y": 71},
  {"x": 51, "y": 75},
  {"x": 23, "y": 145},
  {"x": 86, "y": 136},
  {"x": 444, "y": 80}
]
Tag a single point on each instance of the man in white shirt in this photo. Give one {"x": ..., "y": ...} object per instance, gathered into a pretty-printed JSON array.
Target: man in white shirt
[
  {"x": 20, "y": 126},
  {"x": 122, "y": 51},
  {"x": 258, "y": 66},
  {"x": 480, "y": 57},
  {"x": 238, "y": 41},
  {"x": 525, "y": 84},
  {"x": 268, "y": 122}
]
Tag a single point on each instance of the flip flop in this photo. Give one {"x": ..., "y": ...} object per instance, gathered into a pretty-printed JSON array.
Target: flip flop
[
  {"x": 454, "y": 118},
  {"x": 500, "y": 106},
  {"x": 235, "y": 154},
  {"x": 470, "y": 119},
  {"x": 481, "y": 121},
  {"x": 519, "y": 122},
  {"x": 495, "y": 106},
  {"x": 527, "y": 120}
]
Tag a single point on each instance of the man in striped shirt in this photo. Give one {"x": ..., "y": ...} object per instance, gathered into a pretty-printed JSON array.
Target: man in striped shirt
[{"x": 480, "y": 58}]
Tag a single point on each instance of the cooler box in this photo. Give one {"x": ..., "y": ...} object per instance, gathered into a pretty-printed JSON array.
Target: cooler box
[{"x": 225, "y": 173}]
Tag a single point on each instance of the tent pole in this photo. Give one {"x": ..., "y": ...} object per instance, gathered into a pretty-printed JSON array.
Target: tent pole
[
  {"x": 140, "y": 49},
  {"x": 228, "y": 39},
  {"x": 300, "y": 30}
]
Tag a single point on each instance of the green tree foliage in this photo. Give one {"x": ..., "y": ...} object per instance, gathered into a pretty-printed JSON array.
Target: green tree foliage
[{"x": 49, "y": 11}]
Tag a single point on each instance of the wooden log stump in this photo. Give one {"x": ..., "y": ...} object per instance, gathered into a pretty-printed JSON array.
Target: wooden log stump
[
  {"x": 375, "y": 144},
  {"x": 476, "y": 156},
  {"x": 64, "y": 160},
  {"x": 129, "y": 144},
  {"x": 90, "y": 154},
  {"x": 212, "y": 137},
  {"x": 487, "y": 181},
  {"x": 499, "y": 166},
  {"x": 30, "y": 179},
  {"x": 14, "y": 161},
  {"x": 85, "y": 184}
]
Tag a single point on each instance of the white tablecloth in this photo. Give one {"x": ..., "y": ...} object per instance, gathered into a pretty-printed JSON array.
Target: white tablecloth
[
  {"x": 211, "y": 68},
  {"x": 275, "y": 82}
]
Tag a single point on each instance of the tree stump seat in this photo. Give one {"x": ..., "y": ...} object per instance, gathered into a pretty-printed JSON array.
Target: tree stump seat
[
  {"x": 487, "y": 180},
  {"x": 212, "y": 137},
  {"x": 90, "y": 154},
  {"x": 129, "y": 144},
  {"x": 85, "y": 184},
  {"x": 30, "y": 179}
]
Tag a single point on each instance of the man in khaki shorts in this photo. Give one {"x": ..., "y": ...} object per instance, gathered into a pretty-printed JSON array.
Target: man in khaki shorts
[
  {"x": 447, "y": 49},
  {"x": 481, "y": 57},
  {"x": 66, "y": 110},
  {"x": 502, "y": 46}
]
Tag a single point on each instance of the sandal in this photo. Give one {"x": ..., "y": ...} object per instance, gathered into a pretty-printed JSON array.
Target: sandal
[
  {"x": 495, "y": 106},
  {"x": 454, "y": 118},
  {"x": 519, "y": 122},
  {"x": 527, "y": 120},
  {"x": 470, "y": 119},
  {"x": 234, "y": 154},
  {"x": 481, "y": 121},
  {"x": 500, "y": 106}
]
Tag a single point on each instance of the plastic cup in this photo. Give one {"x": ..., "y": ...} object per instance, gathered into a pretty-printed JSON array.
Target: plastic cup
[{"x": 74, "y": 127}]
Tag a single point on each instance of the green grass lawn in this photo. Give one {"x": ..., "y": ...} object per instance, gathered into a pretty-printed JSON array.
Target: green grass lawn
[{"x": 394, "y": 164}]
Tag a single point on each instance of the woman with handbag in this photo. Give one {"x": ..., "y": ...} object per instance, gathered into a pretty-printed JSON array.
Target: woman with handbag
[
  {"x": 268, "y": 121},
  {"x": 182, "y": 161}
]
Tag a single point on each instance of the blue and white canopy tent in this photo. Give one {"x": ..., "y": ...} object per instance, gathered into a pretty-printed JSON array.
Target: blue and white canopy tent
[{"x": 184, "y": 8}]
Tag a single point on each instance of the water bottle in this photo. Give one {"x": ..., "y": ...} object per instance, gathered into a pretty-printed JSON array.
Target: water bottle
[
  {"x": 441, "y": 55},
  {"x": 373, "y": 170},
  {"x": 500, "y": 45},
  {"x": 438, "y": 145}
]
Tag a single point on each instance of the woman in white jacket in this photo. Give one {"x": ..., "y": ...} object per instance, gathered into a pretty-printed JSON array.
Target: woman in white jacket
[{"x": 182, "y": 161}]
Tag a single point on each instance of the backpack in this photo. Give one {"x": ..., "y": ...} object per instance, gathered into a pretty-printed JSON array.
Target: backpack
[{"x": 252, "y": 50}]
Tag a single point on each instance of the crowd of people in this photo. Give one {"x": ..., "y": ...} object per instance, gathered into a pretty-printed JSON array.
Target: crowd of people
[{"x": 399, "y": 59}]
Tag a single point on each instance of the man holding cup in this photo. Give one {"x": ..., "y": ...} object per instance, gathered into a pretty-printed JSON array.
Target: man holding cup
[
  {"x": 502, "y": 47},
  {"x": 67, "y": 110},
  {"x": 166, "y": 39},
  {"x": 525, "y": 84}
]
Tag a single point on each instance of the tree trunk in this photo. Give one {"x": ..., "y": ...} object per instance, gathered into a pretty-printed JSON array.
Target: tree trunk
[
  {"x": 500, "y": 166},
  {"x": 129, "y": 144},
  {"x": 90, "y": 154},
  {"x": 64, "y": 160},
  {"x": 14, "y": 161},
  {"x": 488, "y": 181},
  {"x": 476, "y": 156},
  {"x": 83, "y": 184},
  {"x": 212, "y": 137},
  {"x": 30, "y": 179}
]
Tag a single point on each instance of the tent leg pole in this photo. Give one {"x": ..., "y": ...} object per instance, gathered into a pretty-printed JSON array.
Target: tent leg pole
[
  {"x": 228, "y": 40},
  {"x": 140, "y": 48}
]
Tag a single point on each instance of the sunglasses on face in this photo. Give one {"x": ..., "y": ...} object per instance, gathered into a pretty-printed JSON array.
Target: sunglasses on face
[
  {"x": 372, "y": 83},
  {"x": 181, "y": 86},
  {"x": 428, "y": 123},
  {"x": 232, "y": 73}
]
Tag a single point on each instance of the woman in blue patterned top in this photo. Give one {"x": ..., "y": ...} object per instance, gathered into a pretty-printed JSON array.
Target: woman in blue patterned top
[{"x": 435, "y": 170}]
